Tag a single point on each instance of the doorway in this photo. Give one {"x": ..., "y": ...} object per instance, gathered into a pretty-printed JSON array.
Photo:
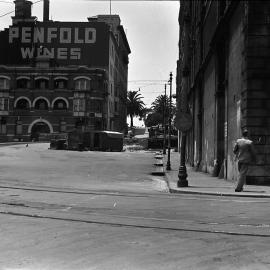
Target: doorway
[{"x": 38, "y": 129}]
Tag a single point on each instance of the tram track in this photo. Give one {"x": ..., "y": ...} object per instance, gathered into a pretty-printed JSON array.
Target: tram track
[
  {"x": 86, "y": 215},
  {"x": 132, "y": 225},
  {"x": 82, "y": 192}
]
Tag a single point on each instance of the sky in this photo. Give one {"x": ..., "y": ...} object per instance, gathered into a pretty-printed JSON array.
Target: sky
[{"x": 152, "y": 31}]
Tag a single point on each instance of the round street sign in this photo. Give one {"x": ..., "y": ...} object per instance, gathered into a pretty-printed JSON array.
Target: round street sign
[{"x": 183, "y": 121}]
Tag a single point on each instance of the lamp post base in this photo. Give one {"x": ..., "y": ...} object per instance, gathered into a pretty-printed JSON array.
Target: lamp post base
[
  {"x": 168, "y": 167},
  {"x": 182, "y": 176}
]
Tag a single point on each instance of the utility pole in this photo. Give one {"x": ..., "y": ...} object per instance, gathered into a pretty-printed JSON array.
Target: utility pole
[
  {"x": 110, "y": 7},
  {"x": 164, "y": 122},
  {"x": 168, "y": 167}
]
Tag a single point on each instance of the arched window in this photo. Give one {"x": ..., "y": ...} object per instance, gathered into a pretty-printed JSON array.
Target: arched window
[
  {"x": 82, "y": 84},
  {"x": 23, "y": 83},
  {"x": 22, "y": 104},
  {"x": 42, "y": 84},
  {"x": 60, "y": 104},
  {"x": 41, "y": 104}
]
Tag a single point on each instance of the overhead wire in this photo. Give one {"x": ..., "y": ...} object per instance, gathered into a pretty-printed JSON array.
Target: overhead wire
[
  {"x": 10, "y": 12},
  {"x": 5, "y": 14}
]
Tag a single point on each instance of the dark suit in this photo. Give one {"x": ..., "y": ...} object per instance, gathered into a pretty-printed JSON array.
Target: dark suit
[{"x": 245, "y": 154}]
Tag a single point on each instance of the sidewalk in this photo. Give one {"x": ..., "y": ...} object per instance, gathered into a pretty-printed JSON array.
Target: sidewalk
[{"x": 203, "y": 183}]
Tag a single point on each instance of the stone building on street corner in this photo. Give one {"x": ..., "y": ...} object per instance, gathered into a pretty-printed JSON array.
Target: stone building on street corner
[
  {"x": 59, "y": 76},
  {"x": 223, "y": 76}
]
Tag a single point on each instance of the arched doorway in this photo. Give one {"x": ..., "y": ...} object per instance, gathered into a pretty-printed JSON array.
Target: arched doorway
[{"x": 38, "y": 129}]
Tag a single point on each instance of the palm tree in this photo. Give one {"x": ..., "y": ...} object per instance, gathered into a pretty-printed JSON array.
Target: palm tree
[
  {"x": 135, "y": 105},
  {"x": 161, "y": 102}
]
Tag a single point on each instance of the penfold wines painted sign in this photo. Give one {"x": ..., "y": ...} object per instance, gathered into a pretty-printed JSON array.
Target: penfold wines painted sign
[
  {"x": 67, "y": 42},
  {"x": 51, "y": 35}
]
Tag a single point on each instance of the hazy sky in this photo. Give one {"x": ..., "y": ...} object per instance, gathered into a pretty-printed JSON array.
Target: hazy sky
[{"x": 152, "y": 30}]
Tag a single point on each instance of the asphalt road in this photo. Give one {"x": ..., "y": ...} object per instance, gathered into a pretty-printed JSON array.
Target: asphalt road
[{"x": 75, "y": 219}]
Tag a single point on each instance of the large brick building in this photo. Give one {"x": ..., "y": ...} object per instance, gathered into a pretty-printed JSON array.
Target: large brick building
[
  {"x": 58, "y": 76},
  {"x": 224, "y": 80}
]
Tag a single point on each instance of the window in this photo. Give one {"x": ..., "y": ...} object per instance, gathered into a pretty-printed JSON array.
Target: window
[
  {"x": 22, "y": 104},
  {"x": 60, "y": 104},
  {"x": 41, "y": 104},
  {"x": 117, "y": 38},
  {"x": 95, "y": 84},
  {"x": 3, "y": 126},
  {"x": 19, "y": 128},
  {"x": 4, "y": 104},
  {"x": 60, "y": 84},
  {"x": 82, "y": 84},
  {"x": 4, "y": 83},
  {"x": 98, "y": 125},
  {"x": 42, "y": 84},
  {"x": 79, "y": 105},
  {"x": 23, "y": 83},
  {"x": 63, "y": 126},
  {"x": 95, "y": 106}
]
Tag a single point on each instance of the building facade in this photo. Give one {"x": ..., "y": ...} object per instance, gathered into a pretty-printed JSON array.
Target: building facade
[
  {"x": 58, "y": 76},
  {"x": 223, "y": 79}
]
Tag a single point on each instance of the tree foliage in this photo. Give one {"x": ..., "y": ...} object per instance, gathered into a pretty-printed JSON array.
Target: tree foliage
[
  {"x": 158, "y": 108},
  {"x": 153, "y": 119},
  {"x": 135, "y": 105},
  {"x": 161, "y": 103}
]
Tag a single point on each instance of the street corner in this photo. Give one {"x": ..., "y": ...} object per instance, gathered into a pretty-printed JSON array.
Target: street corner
[
  {"x": 201, "y": 184},
  {"x": 229, "y": 192}
]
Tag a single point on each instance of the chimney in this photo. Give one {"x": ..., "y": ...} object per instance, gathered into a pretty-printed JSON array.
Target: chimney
[
  {"x": 23, "y": 12},
  {"x": 23, "y": 9},
  {"x": 46, "y": 10}
]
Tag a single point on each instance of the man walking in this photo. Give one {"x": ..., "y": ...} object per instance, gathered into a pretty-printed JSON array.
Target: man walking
[{"x": 245, "y": 154}]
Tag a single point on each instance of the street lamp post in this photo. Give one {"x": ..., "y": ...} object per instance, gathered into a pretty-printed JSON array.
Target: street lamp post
[
  {"x": 168, "y": 167},
  {"x": 164, "y": 122},
  {"x": 185, "y": 120},
  {"x": 182, "y": 174}
]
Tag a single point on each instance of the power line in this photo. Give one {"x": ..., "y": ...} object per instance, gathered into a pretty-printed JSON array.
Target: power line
[
  {"x": 5, "y": 14},
  {"x": 14, "y": 10}
]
